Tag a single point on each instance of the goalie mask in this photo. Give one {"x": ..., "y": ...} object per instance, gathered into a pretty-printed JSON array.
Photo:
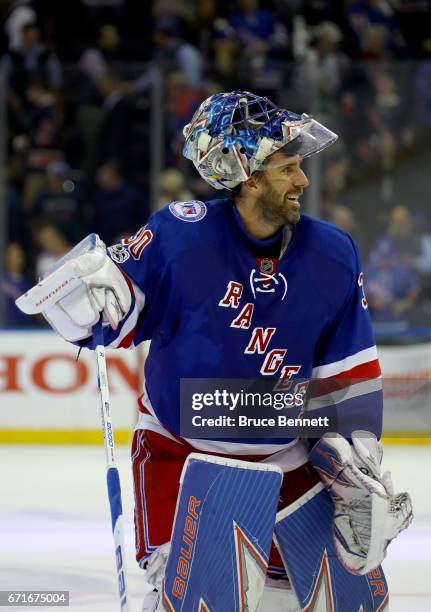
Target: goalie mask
[{"x": 231, "y": 135}]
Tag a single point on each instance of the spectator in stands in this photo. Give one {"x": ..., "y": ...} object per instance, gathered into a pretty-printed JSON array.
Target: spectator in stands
[
  {"x": 335, "y": 176},
  {"x": 391, "y": 111},
  {"x": 344, "y": 218},
  {"x": 259, "y": 35},
  {"x": 409, "y": 247},
  {"x": 21, "y": 14},
  {"x": 376, "y": 29},
  {"x": 173, "y": 53},
  {"x": 423, "y": 89},
  {"x": 52, "y": 244},
  {"x": 98, "y": 8},
  {"x": 408, "y": 243},
  {"x": 205, "y": 15},
  {"x": 36, "y": 139},
  {"x": 331, "y": 62},
  {"x": 354, "y": 120},
  {"x": 115, "y": 132},
  {"x": 45, "y": 130},
  {"x": 119, "y": 208},
  {"x": 14, "y": 283},
  {"x": 62, "y": 203},
  {"x": 323, "y": 67},
  {"x": 224, "y": 47},
  {"x": 96, "y": 62},
  {"x": 16, "y": 230},
  {"x": 173, "y": 187},
  {"x": 180, "y": 104},
  {"x": 392, "y": 290},
  {"x": 178, "y": 9},
  {"x": 373, "y": 42},
  {"x": 31, "y": 62}
]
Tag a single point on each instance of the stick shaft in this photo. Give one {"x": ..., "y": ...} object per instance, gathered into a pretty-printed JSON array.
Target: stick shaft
[
  {"x": 105, "y": 403},
  {"x": 112, "y": 475}
]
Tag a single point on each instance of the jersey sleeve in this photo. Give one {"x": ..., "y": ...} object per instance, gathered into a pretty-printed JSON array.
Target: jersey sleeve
[
  {"x": 140, "y": 261},
  {"x": 346, "y": 373}
]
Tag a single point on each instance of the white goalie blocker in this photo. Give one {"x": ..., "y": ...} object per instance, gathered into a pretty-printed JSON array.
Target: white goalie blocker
[{"x": 84, "y": 284}]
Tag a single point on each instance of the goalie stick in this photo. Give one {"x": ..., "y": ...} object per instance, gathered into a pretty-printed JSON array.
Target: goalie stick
[
  {"x": 64, "y": 277},
  {"x": 112, "y": 476}
]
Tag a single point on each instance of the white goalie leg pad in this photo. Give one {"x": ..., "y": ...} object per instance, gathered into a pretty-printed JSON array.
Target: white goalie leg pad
[{"x": 367, "y": 514}]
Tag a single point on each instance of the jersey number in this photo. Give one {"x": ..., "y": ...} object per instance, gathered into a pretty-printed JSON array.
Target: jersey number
[{"x": 137, "y": 243}]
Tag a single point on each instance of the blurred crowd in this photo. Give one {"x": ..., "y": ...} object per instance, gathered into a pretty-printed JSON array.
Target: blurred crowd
[{"x": 84, "y": 80}]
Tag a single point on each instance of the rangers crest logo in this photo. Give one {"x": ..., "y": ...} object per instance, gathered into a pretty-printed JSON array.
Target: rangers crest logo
[{"x": 188, "y": 211}]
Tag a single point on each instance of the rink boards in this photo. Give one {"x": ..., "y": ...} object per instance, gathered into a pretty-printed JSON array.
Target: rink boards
[{"x": 48, "y": 395}]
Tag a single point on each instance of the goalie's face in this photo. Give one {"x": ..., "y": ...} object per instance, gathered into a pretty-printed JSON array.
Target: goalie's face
[{"x": 279, "y": 188}]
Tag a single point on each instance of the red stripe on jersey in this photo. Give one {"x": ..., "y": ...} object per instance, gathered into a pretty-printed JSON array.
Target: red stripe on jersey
[
  {"x": 139, "y": 456},
  {"x": 141, "y": 406},
  {"x": 128, "y": 338},
  {"x": 358, "y": 374},
  {"x": 368, "y": 370}
]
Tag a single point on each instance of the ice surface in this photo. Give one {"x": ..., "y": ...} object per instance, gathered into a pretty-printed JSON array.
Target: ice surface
[{"x": 55, "y": 530}]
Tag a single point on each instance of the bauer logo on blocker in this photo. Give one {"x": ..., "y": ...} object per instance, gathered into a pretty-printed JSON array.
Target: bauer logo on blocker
[{"x": 188, "y": 211}]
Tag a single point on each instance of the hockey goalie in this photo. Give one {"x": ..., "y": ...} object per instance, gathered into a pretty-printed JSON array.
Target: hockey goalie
[{"x": 245, "y": 287}]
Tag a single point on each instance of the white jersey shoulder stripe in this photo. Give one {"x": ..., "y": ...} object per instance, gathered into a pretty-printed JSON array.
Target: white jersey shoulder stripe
[
  {"x": 346, "y": 364},
  {"x": 363, "y": 387}
]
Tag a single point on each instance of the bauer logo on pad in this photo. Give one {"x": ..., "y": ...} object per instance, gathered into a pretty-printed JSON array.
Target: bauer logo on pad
[{"x": 188, "y": 211}]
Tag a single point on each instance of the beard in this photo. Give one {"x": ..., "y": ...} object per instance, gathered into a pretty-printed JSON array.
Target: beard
[{"x": 276, "y": 209}]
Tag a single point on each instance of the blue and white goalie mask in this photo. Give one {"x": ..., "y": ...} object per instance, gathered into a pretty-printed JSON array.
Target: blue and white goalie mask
[{"x": 232, "y": 134}]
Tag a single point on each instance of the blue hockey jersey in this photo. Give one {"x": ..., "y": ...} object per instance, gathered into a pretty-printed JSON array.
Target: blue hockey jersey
[{"x": 214, "y": 306}]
